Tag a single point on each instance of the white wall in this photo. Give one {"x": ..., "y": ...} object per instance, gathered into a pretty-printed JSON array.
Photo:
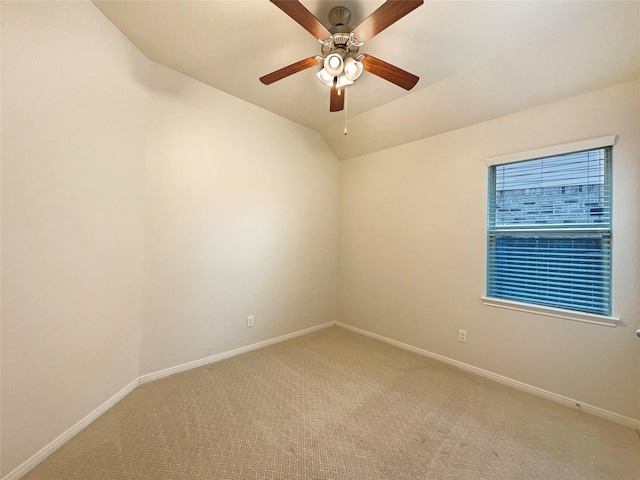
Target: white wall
[
  {"x": 144, "y": 216},
  {"x": 242, "y": 215},
  {"x": 412, "y": 252},
  {"x": 74, "y": 106}
]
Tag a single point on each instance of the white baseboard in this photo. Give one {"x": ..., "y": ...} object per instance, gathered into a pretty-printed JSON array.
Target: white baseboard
[
  {"x": 584, "y": 407},
  {"x": 43, "y": 453},
  {"x": 34, "y": 460},
  {"x": 150, "y": 377}
]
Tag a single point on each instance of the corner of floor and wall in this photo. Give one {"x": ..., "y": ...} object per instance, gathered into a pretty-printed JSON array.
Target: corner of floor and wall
[
  {"x": 416, "y": 275},
  {"x": 145, "y": 216}
]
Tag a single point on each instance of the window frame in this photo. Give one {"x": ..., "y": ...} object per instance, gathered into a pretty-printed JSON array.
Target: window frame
[{"x": 522, "y": 306}]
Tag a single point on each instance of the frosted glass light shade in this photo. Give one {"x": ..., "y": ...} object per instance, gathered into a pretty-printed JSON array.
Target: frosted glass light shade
[
  {"x": 352, "y": 69},
  {"x": 334, "y": 64},
  {"x": 325, "y": 77},
  {"x": 343, "y": 81}
]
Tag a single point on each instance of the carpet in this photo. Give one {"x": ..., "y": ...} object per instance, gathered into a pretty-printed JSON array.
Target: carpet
[{"x": 338, "y": 405}]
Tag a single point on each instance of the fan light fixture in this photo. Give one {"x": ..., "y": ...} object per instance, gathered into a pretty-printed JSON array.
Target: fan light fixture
[
  {"x": 325, "y": 78},
  {"x": 340, "y": 62},
  {"x": 334, "y": 64},
  {"x": 352, "y": 69},
  {"x": 343, "y": 81},
  {"x": 347, "y": 70}
]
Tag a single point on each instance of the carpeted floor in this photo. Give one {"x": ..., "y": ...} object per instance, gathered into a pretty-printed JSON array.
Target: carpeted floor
[{"x": 337, "y": 405}]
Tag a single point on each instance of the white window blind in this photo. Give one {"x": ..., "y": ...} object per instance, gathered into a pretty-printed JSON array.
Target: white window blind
[{"x": 549, "y": 231}]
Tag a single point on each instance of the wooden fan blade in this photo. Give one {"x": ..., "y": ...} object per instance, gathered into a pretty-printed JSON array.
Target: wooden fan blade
[
  {"x": 389, "y": 72},
  {"x": 304, "y": 17},
  {"x": 289, "y": 70},
  {"x": 336, "y": 101},
  {"x": 389, "y": 12}
]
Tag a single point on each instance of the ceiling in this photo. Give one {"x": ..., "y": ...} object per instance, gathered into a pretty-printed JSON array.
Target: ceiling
[{"x": 476, "y": 60}]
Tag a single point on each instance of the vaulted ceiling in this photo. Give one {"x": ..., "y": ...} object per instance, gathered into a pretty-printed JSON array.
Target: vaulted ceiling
[{"x": 476, "y": 60}]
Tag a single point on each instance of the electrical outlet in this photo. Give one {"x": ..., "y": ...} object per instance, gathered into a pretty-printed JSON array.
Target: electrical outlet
[
  {"x": 250, "y": 321},
  {"x": 462, "y": 335}
]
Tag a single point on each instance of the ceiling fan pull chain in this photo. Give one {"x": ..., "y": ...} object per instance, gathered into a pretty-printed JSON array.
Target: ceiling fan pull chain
[{"x": 345, "y": 111}]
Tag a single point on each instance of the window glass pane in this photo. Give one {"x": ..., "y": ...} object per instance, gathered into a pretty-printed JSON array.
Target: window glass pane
[
  {"x": 562, "y": 270},
  {"x": 549, "y": 231},
  {"x": 566, "y": 189}
]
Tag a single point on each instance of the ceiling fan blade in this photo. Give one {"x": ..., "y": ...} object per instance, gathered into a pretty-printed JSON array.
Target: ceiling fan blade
[
  {"x": 389, "y": 72},
  {"x": 304, "y": 17},
  {"x": 389, "y": 12},
  {"x": 289, "y": 70},
  {"x": 336, "y": 101}
]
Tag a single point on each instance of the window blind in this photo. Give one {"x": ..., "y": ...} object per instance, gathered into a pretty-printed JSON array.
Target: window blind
[{"x": 549, "y": 231}]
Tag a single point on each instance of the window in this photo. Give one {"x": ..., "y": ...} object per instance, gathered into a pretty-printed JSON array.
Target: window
[{"x": 549, "y": 230}]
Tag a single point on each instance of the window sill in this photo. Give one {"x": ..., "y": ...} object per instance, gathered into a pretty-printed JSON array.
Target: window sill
[{"x": 551, "y": 311}]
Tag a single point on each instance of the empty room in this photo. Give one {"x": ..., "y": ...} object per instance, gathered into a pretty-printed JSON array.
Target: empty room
[{"x": 272, "y": 239}]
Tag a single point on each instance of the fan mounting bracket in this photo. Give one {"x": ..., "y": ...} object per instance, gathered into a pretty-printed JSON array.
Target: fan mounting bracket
[
  {"x": 341, "y": 40},
  {"x": 339, "y": 16}
]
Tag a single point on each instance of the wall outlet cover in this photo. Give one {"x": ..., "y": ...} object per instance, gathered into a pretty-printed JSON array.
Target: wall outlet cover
[{"x": 462, "y": 335}]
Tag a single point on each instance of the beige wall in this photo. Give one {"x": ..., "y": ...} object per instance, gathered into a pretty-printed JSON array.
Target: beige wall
[
  {"x": 242, "y": 215},
  {"x": 135, "y": 199},
  {"x": 412, "y": 252},
  {"x": 73, "y": 124}
]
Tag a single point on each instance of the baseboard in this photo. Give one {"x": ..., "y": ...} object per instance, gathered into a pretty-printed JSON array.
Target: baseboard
[
  {"x": 38, "y": 457},
  {"x": 584, "y": 407},
  {"x": 43, "y": 453},
  {"x": 150, "y": 377},
  {"x": 34, "y": 460}
]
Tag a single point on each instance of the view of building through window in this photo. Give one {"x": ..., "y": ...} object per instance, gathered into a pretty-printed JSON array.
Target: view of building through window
[
  {"x": 567, "y": 189},
  {"x": 550, "y": 231}
]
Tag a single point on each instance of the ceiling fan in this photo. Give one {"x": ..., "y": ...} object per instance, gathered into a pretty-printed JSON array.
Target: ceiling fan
[{"x": 342, "y": 64}]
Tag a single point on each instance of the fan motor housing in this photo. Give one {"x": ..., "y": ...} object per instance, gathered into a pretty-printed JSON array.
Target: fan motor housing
[
  {"x": 340, "y": 41},
  {"x": 339, "y": 16}
]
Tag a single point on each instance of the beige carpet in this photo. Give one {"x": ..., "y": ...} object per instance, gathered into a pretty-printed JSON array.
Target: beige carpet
[{"x": 338, "y": 405}]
